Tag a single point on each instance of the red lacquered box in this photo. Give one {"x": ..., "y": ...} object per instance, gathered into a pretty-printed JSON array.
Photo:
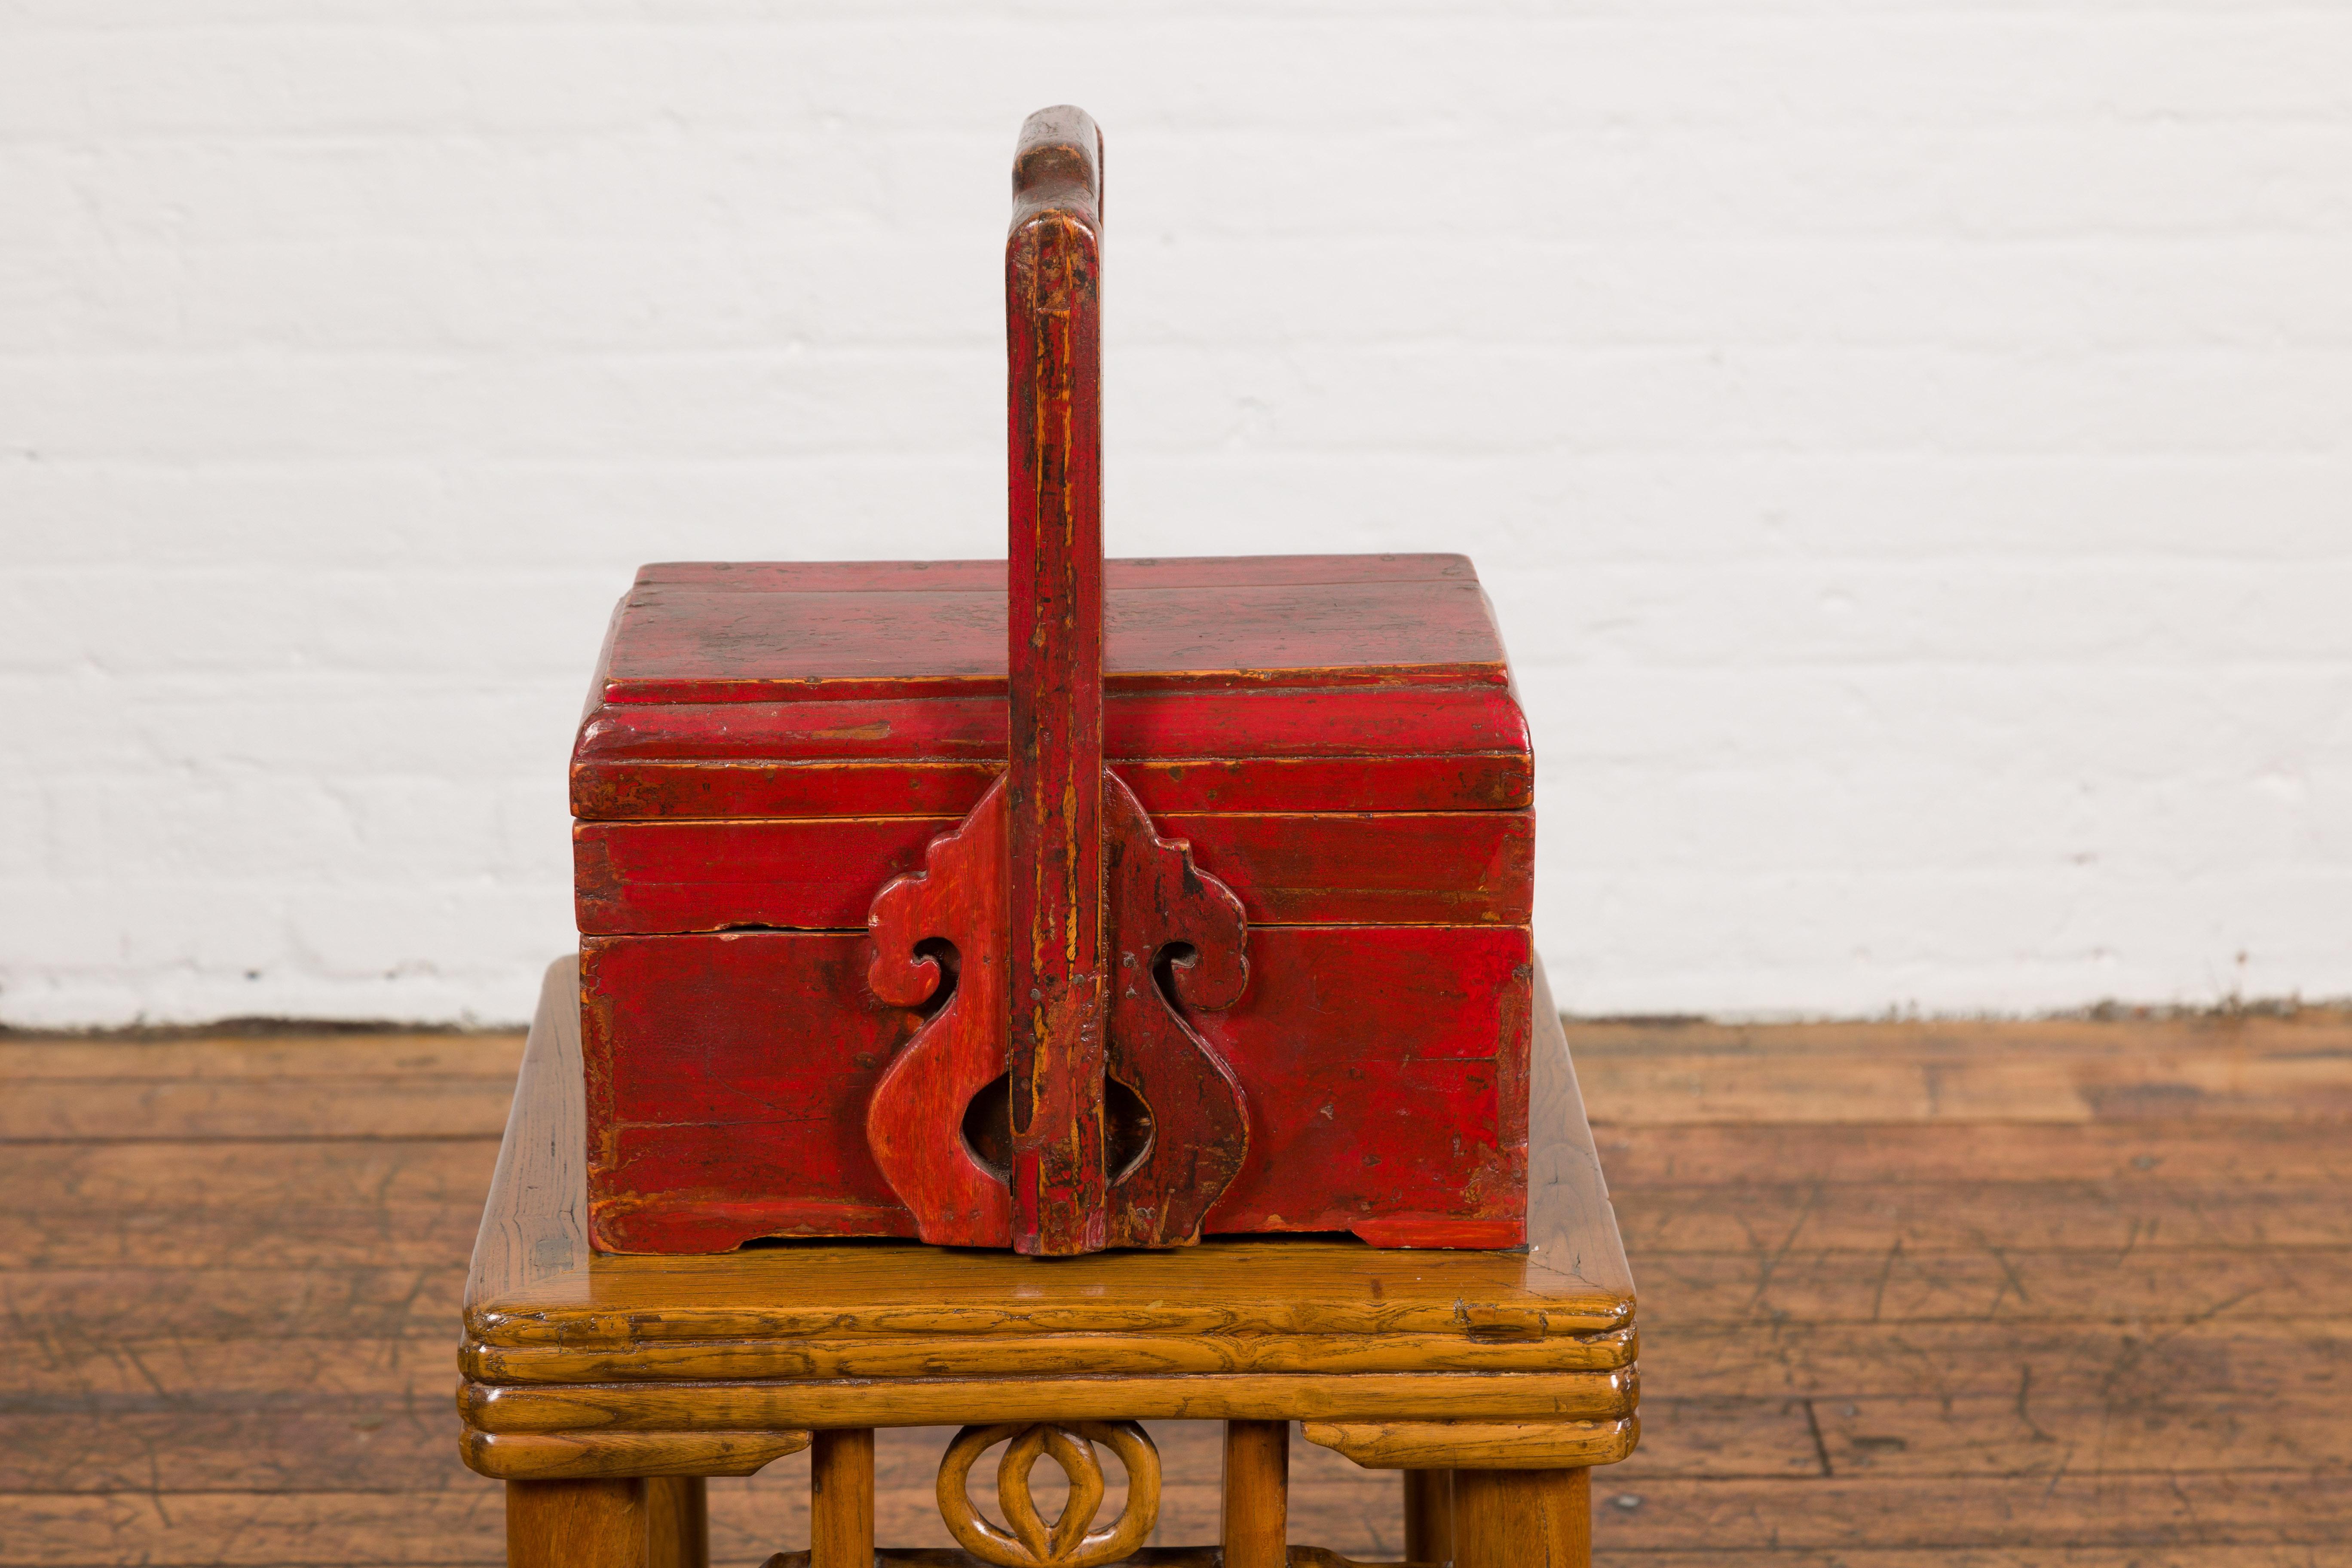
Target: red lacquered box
[{"x": 863, "y": 954}]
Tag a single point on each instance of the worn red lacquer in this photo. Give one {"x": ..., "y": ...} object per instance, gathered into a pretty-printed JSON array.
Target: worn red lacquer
[
  {"x": 1055, "y": 978},
  {"x": 1426, "y": 867},
  {"x": 1056, "y": 902},
  {"x": 1393, "y": 748},
  {"x": 1383, "y": 1070}
]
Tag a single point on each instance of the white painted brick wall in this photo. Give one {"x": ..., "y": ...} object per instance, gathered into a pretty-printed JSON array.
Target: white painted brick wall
[{"x": 1910, "y": 445}]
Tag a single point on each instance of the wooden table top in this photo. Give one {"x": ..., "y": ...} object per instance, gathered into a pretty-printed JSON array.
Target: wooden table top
[{"x": 1428, "y": 1328}]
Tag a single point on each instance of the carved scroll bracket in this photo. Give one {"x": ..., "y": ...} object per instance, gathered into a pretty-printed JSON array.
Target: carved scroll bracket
[
  {"x": 1176, "y": 934},
  {"x": 1177, "y": 940},
  {"x": 940, "y": 939},
  {"x": 1068, "y": 1541}
]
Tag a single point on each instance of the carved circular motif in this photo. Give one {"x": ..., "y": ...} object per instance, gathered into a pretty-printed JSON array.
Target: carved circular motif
[{"x": 1067, "y": 1543}]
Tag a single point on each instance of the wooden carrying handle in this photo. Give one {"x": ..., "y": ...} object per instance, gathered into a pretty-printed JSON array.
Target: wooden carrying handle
[{"x": 1057, "y": 980}]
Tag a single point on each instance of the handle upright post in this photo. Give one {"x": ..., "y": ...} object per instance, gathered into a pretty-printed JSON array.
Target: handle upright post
[{"x": 1058, "y": 979}]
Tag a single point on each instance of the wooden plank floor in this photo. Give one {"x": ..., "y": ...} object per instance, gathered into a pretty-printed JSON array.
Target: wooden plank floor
[{"x": 1914, "y": 1296}]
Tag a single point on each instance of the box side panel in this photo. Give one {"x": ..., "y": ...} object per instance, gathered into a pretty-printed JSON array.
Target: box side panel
[
  {"x": 1394, "y": 749},
  {"x": 728, "y": 1078},
  {"x": 1284, "y": 721},
  {"x": 626, "y": 790},
  {"x": 1385, "y": 1071},
  {"x": 1287, "y": 869},
  {"x": 649, "y": 878}
]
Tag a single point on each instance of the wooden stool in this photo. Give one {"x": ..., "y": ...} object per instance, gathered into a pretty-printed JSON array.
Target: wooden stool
[{"x": 603, "y": 1389}]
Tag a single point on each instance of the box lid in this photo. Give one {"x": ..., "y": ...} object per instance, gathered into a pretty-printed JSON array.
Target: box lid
[{"x": 1297, "y": 682}]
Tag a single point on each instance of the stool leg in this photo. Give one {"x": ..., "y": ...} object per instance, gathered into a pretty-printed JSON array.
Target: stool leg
[
  {"x": 1523, "y": 1519},
  {"x": 677, "y": 1522},
  {"x": 841, "y": 1498},
  {"x": 1429, "y": 1516},
  {"x": 576, "y": 1524},
  {"x": 1257, "y": 1494}
]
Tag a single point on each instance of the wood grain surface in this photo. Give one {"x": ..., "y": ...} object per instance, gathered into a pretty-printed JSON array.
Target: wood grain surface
[
  {"x": 589, "y": 1456},
  {"x": 1484, "y": 1445},
  {"x": 1522, "y": 1519},
  {"x": 1256, "y": 1528},
  {"x": 592, "y": 1523},
  {"x": 2167, "y": 1433},
  {"x": 841, "y": 1498},
  {"x": 677, "y": 1522}
]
